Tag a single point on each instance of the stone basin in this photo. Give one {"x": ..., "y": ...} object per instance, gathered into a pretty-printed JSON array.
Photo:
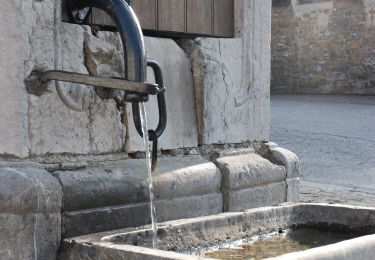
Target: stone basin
[{"x": 190, "y": 235}]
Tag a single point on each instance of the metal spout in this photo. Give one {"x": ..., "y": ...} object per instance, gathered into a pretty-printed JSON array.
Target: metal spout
[
  {"x": 130, "y": 31},
  {"x": 134, "y": 58}
]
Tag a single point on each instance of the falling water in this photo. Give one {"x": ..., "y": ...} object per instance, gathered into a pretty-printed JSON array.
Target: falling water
[{"x": 149, "y": 172}]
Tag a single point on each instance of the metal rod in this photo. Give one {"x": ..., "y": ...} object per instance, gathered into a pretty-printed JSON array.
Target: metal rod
[{"x": 105, "y": 82}]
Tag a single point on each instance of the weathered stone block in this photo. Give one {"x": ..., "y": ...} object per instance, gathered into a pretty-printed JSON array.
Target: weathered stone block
[
  {"x": 29, "y": 190},
  {"x": 181, "y": 129},
  {"x": 14, "y": 51},
  {"x": 292, "y": 190},
  {"x": 30, "y": 220},
  {"x": 124, "y": 182},
  {"x": 260, "y": 196},
  {"x": 112, "y": 195},
  {"x": 185, "y": 176},
  {"x": 138, "y": 214},
  {"x": 247, "y": 171},
  {"x": 231, "y": 78},
  {"x": 288, "y": 159},
  {"x": 89, "y": 125},
  {"x": 189, "y": 207}
]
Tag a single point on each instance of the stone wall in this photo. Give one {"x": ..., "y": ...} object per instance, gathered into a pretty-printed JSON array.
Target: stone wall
[
  {"x": 217, "y": 93},
  {"x": 217, "y": 89},
  {"x": 323, "y": 47},
  {"x": 232, "y": 78}
]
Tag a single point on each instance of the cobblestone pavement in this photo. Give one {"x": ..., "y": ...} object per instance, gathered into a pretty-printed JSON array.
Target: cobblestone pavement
[{"x": 319, "y": 193}]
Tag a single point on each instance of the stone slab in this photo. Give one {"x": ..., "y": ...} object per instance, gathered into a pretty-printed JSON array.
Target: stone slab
[
  {"x": 186, "y": 176},
  {"x": 188, "y": 235},
  {"x": 29, "y": 190},
  {"x": 188, "y": 207},
  {"x": 14, "y": 50},
  {"x": 293, "y": 190},
  {"x": 232, "y": 78},
  {"x": 288, "y": 159},
  {"x": 260, "y": 196},
  {"x": 248, "y": 170},
  {"x": 123, "y": 182},
  {"x": 80, "y": 122},
  {"x": 29, "y": 235},
  {"x": 30, "y": 219},
  {"x": 214, "y": 155},
  {"x": 353, "y": 217},
  {"x": 133, "y": 215},
  {"x": 181, "y": 130}
]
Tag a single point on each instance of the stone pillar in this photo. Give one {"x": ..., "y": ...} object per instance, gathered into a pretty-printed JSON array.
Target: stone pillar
[
  {"x": 14, "y": 50},
  {"x": 232, "y": 78},
  {"x": 30, "y": 206}
]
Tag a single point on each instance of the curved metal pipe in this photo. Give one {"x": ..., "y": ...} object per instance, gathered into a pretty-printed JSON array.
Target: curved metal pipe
[
  {"x": 130, "y": 31},
  {"x": 134, "y": 56}
]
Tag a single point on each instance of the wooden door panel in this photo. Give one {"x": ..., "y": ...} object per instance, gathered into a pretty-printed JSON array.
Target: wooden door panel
[
  {"x": 172, "y": 15},
  {"x": 199, "y": 16},
  {"x": 175, "y": 17},
  {"x": 146, "y": 10},
  {"x": 223, "y": 18}
]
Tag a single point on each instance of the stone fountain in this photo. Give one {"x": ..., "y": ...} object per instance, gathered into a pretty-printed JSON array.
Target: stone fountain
[{"x": 72, "y": 159}]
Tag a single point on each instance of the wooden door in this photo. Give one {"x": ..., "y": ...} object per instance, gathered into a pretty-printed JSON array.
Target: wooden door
[{"x": 185, "y": 18}]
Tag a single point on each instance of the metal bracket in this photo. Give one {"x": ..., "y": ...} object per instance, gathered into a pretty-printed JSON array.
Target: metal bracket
[{"x": 36, "y": 83}]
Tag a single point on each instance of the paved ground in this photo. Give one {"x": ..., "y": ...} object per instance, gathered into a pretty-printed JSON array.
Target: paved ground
[{"x": 334, "y": 137}]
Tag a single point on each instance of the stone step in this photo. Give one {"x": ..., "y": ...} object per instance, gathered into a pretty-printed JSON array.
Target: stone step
[{"x": 115, "y": 194}]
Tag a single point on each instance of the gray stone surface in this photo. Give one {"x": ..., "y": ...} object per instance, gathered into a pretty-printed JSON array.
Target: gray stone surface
[
  {"x": 133, "y": 215},
  {"x": 181, "y": 129},
  {"x": 122, "y": 182},
  {"x": 111, "y": 195},
  {"x": 54, "y": 127},
  {"x": 332, "y": 135},
  {"x": 231, "y": 78},
  {"x": 259, "y": 196},
  {"x": 247, "y": 171},
  {"x": 234, "y": 100},
  {"x": 288, "y": 159},
  {"x": 188, "y": 207},
  {"x": 89, "y": 221},
  {"x": 214, "y": 155},
  {"x": 103, "y": 187},
  {"x": 185, "y": 176},
  {"x": 14, "y": 50},
  {"x": 193, "y": 235},
  {"x": 30, "y": 220},
  {"x": 293, "y": 190}
]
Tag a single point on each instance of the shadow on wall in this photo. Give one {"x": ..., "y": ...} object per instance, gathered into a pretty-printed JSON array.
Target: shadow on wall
[{"x": 323, "y": 46}]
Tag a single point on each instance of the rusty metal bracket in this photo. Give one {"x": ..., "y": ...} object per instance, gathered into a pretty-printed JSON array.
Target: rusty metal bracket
[{"x": 36, "y": 83}]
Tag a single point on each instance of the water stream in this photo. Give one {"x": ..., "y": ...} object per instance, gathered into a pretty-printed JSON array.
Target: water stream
[{"x": 149, "y": 172}]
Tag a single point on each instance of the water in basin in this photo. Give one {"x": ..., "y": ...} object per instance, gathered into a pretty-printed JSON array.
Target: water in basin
[{"x": 275, "y": 244}]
